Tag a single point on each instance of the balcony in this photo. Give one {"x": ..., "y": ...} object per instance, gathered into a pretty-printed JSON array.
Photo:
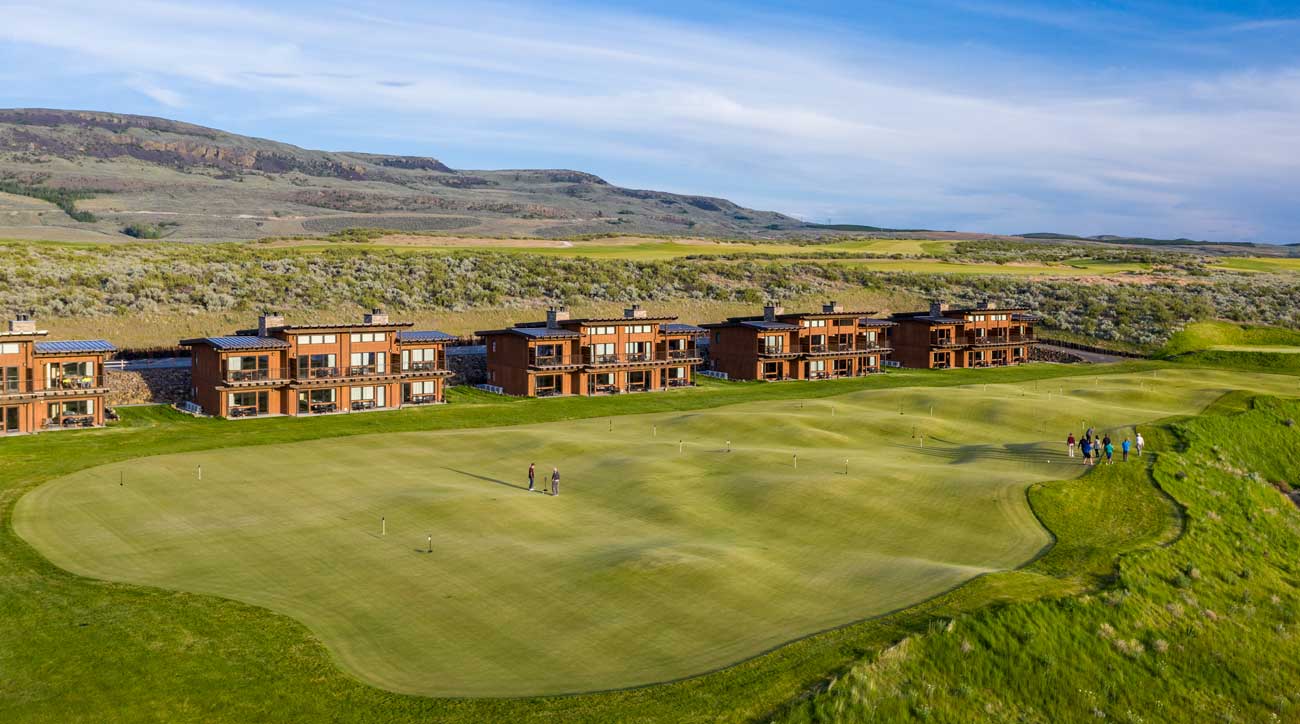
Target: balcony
[
  {"x": 1000, "y": 340},
  {"x": 252, "y": 377},
  {"x": 682, "y": 354},
  {"x": 59, "y": 386},
  {"x": 946, "y": 341},
  {"x": 773, "y": 351},
  {"x": 425, "y": 399},
  {"x": 553, "y": 360},
  {"x": 834, "y": 348},
  {"x": 614, "y": 360},
  {"x": 313, "y": 374},
  {"x": 422, "y": 366}
]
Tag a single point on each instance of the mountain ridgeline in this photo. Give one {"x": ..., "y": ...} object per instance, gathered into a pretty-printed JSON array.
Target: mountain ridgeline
[{"x": 108, "y": 172}]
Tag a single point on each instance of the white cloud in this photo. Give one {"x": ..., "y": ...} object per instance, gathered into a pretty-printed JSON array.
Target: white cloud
[{"x": 787, "y": 118}]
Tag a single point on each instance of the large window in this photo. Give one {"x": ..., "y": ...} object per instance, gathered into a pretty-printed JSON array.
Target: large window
[
  {"x": 249, "y": 367},
  {"x": 816, "y": 368},
  {"x": 364, "y": 398},
  {"x": 10, "y": 379},
  {"x": 637, "y": 351},
  {"x": 370, "y": 337},
  {"x": 317, "y": 365},
  {"x": 425, "y": 359},
  {"x": 602, "y": 352},
  {"x": 71, "y": 408},
  {"x": 9, "y": 419},
  {"x": 814, "y": 323},
  {"x": 367, "y": 363},
  {"x": 419, "y": 393},
  {"x": 602, "y": 330},
  {"x": 774, "y": 344},
  {"x": 246, "y": 404},
  {"x": 317, "y": 339},
  {"x": 317, "y": 401},
  {"x": 10, "y": 348}
]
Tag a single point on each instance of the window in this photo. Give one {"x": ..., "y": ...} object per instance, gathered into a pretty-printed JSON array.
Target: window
[
  {"x": 9, "y": 420},
  {"x": 246, "y": 403},
  {"x": 602, "y": 352},
  {"x": 367, "y": 363},
  {"x": 374, "y": 395},
  {"x": 717, "y": 337},
  {"x": 10, "y": 348},
  {"x": 676, "y": 373},
  {"x": 317, "y": 339},
  {"x": 638, "y": 329},
  {"x": 774, "y": 344},
  {"x": 248, "y": 367},
  {"x": 601, "y": 330},
  {"x": 814, "y": 323},
  {"x": 317, "y": 365},
  {"x": 422, "y": 359},
  {"x": 9, "y": 379},
  {"x": 72, "y": 407},
  {"x": 816, "y": 368},
  {"x": 370, "y": 337},
  {"x": 316, "y": 401}
]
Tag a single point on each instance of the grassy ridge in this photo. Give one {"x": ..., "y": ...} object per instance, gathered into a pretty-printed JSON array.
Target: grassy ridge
[
  {"x": 1202, "y": 336},
  {"x": 81, "y": 650},
  {"x": 1201, "y": 630}
]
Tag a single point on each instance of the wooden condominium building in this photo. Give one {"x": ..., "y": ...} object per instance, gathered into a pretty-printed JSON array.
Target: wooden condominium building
[
  {"x": 314, "y": 369},
  {"x": 985, "y": 336},
  {"x": 49, "y": 385},
  {"x": 597, "y": 356},
  {"x": 799, "y": 346}
]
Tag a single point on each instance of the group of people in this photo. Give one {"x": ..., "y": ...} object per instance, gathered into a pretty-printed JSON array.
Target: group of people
[
  {"x": 555, "y": 479},
  {"x": 1094, "y": 447}
]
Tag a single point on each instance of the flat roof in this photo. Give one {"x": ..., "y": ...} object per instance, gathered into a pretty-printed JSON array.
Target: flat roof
[
  {"x": 238, "y": 341},
  {"x": 625, "y": 320},
  {"x": 37, "y": 333},
  {"x": 74, "y": 346}
]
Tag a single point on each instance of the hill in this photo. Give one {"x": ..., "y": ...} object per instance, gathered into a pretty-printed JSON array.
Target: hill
[{"x": 84, "y": 175}]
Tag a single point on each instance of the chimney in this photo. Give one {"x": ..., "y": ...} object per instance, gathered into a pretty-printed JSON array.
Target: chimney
[
  {"x": 832, "y": 308},
  {"x": 772, "y": 311},
  {"x": 634, "y": 312},
  {"x": 269, "y": 321},
  {"x": 375, "y": 316},
  {"x": 22, "y": 324},
  {"x": 938, "y": 308},
  {"x": 985, "y": 305},
  {"x": 555, "y": 315}
]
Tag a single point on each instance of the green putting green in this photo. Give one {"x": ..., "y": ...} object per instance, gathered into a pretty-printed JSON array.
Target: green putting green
[{"x": 655, "y": 562}]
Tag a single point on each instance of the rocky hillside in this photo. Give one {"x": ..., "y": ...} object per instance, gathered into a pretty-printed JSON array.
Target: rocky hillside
[{"x": 88, "y": 175}]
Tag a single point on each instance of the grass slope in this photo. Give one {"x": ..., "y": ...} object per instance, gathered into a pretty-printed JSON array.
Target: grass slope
[
  {"x": 1201, "y": 630},
  {"x": 77, "y": 649},
  {"x": 1227, "y": 336}
]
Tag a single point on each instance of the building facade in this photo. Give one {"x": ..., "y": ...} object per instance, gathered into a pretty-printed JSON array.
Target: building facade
[
  {"x": 942, "y": 338},
  {"x": 314, "y": 369},
  {"x": 49, "y": 385},
  {"x": 595, "y": 356},
  {"x": 799, "y": 346}
]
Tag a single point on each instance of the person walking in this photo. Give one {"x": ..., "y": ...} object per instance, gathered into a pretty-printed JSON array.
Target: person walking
[
  {"x": 1090, "y": 434},
  {"x": 1087, "y": 451},
  {"x": 1069, "y": 443},
  {"x": 1110, "y": 454},
  {"x": 1124, "y": 446},
  {"x": 1105, "y": 440},
  {"x": 555, "y": 481},
  {"x": 1140, "y": 444},
  {"x": 532, "y": 472}
]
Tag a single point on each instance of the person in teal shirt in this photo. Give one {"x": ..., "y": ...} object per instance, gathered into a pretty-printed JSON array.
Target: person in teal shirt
[{"x": 1110, "y": 453}]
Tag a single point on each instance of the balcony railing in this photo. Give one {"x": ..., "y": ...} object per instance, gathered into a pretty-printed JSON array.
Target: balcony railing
[
  {"x": 675, "y": 354},
  {"x": 553, "y": 360},
  {"x": 422, "y": 366},
  {"x": 250, "y": 376},
  {"x": 844, "y": 347},
  {"x": 424, "y": 399},
  {"x": 619, "y": 359},
  {"x": 326, "y": 373},
  {"x": 70, "y": 384}
]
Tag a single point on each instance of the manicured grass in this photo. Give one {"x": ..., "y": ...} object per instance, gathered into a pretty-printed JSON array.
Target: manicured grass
[
  {"x": 75, "y": 649},
  {"x": 1228, "y": 336},
  {"x": 934, "y": 266},
  {"x": 1273, "y": 265},
  {"x": 1200, "y": 630}
]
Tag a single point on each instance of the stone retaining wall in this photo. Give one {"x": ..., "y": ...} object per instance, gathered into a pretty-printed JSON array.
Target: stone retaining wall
[{"x": 144, "y": 386}]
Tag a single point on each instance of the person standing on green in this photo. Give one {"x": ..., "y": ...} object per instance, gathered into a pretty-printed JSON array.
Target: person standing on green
[
  {"x": 555, "y": 481},
  {"x": 1110, "y": 454},
  {"x": 1124, "y": 446}
]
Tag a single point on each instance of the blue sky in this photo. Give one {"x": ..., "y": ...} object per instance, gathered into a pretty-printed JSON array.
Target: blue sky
[{"x": 1138, "y": 118}]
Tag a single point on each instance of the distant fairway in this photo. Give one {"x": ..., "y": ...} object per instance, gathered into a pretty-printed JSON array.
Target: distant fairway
[{"x": 651, "y": 565}]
